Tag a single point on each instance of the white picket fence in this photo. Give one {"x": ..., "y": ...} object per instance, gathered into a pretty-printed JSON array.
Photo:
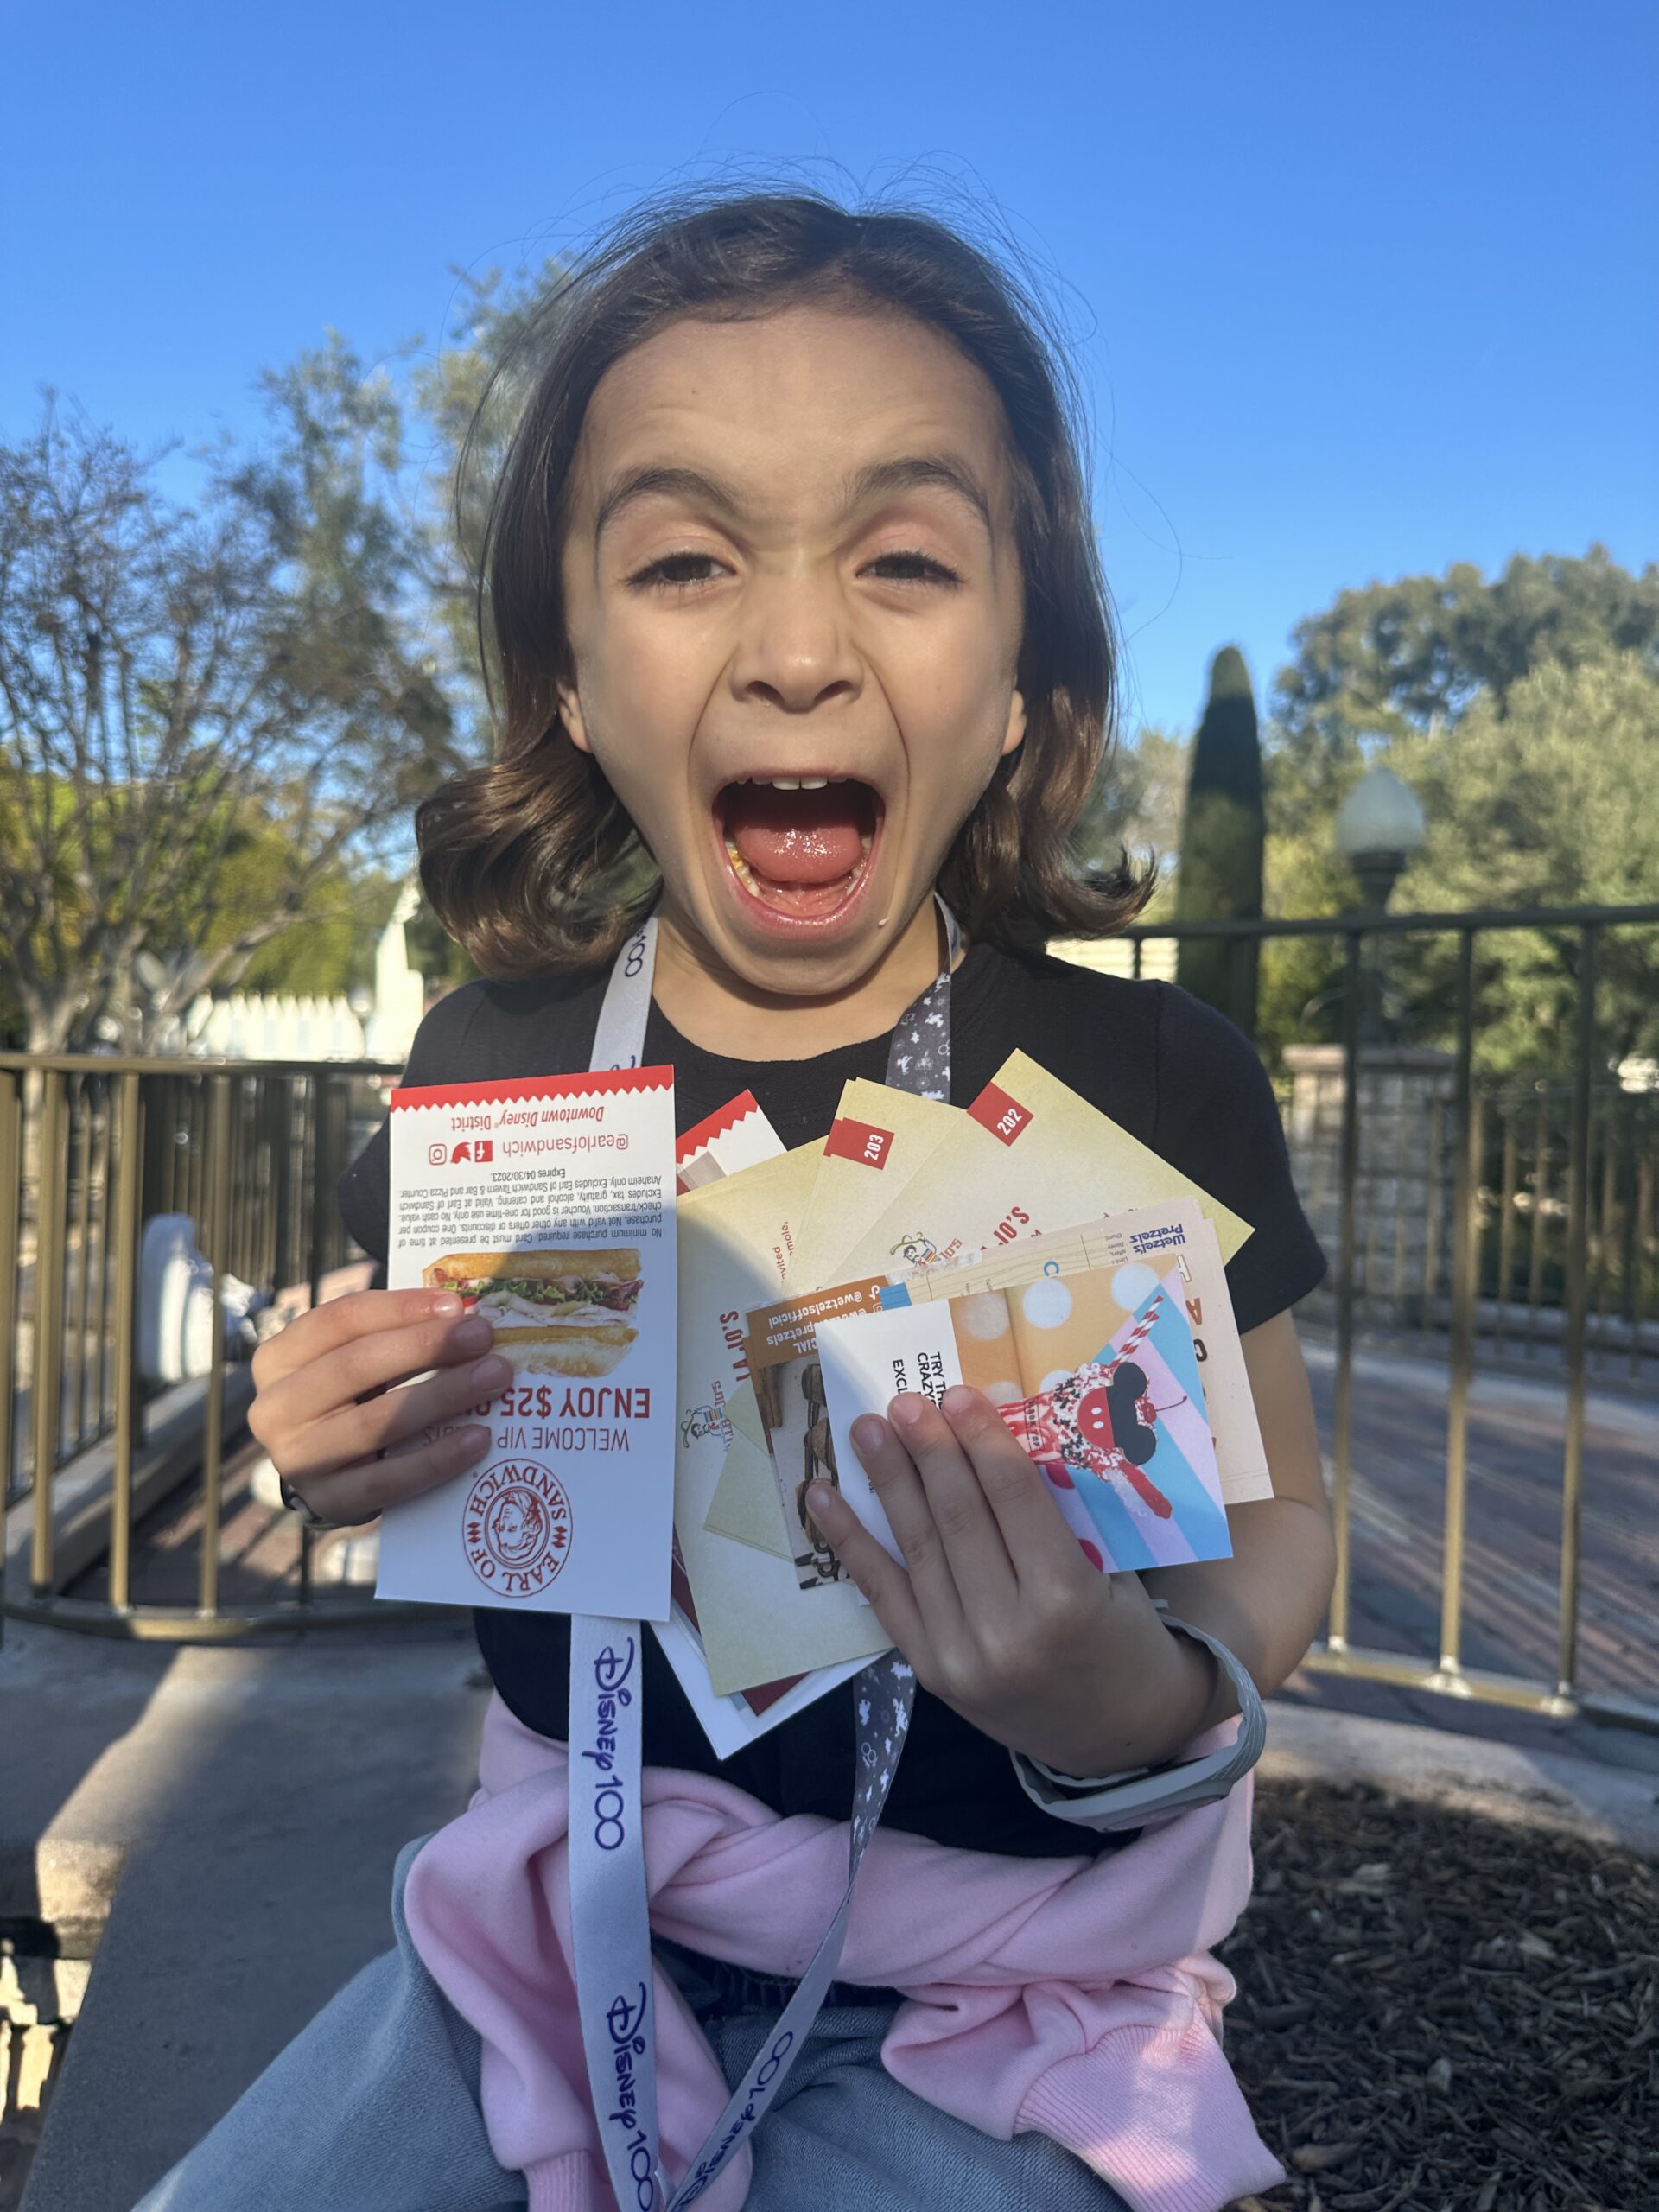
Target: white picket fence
[
  {"x": 1114, "y": 956},
  {"x": 272, "y": 1026}
]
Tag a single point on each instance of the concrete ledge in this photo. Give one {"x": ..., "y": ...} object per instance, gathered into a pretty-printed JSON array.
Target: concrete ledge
[
  {"x": 251, "y": 1799},
  {"x": 1551, "y": 1789},
  {"x": 81, "y": 1490},
  {"x": 70, "y": 1886}
]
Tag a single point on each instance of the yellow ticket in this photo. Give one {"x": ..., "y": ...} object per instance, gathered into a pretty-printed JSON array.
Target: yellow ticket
[
  {"x": 1028, "y": 1157},
  {"x": 737, "y": 1239},
  {"x": 879, "y": 1139}
]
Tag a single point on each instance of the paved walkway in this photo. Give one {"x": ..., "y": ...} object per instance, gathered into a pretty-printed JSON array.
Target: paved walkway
[
  {"x": 1512, "y": 1543},
  {"x": 256, "y": 1799}
]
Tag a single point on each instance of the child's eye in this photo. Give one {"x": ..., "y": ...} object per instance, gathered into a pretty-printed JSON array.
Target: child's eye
[
  {"x": 912, "y": 568},
  {"x": 676, "y": 572}
]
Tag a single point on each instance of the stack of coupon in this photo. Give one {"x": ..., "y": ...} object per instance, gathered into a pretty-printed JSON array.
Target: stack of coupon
[
  {"x": 669, "y": 1409},
  {"x": 1027, "y": 1246}
]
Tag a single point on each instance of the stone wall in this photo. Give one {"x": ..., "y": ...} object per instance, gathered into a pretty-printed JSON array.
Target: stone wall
[{"x": 1403, "y": 1196}]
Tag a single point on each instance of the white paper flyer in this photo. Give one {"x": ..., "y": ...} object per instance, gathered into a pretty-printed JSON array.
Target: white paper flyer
[{"x": 548, "y": 1204}]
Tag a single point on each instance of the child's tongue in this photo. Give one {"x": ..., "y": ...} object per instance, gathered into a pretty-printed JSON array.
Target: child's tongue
[{"x": 798, "y": 841}]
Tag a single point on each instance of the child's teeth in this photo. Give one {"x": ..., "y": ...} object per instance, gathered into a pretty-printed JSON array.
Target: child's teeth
[
  {"x": 786, "y": 783},
  {"x": 813, "y": 783},
  {"x": 865, "y": 839}
]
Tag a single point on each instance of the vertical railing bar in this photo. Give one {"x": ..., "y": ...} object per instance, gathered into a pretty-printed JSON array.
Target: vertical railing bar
[
  {"x": 1624, "y": 1110},
  {"x": 80, "y": 1283},
  {"x": 271, "y": 1124},
  {"x": 244, "y": 1251},
  {"x": 173, "y": 1102},
  {"x": 318, "y": 1228},
  {"x": 1367, "y": 1318},
  {"x": 1432, "y": 1227},
  {"x": 282, "y": 1094},
  {"x": 202, "y": 1096},
  {"x": 1505, "y": 1223},
  {"x": 217, "y": 1168},
  {"x": 1464, "y": 1257},
  {"x": 49, "y": 1321},
  {"x": 1641, "y": 1215},
  {"x": 1342, "y": 1410},
  {"x": 183, "y": 1156},
  {"x": 190, "y": 1160},
  {"x": 127, "y": 1205},
  {"x": 1540, "y": 1221},
  {"x": 314, "y": 1255},
  {"x": 1401, "y": 1163},
  {"x": 1607, "y": 1214},
  {"x": 235, "y": 1243},
  {"x": 1578, "y": 1211},
  {"x": 11, "y": 1168},
  {"x": 105, "y": 1154}
]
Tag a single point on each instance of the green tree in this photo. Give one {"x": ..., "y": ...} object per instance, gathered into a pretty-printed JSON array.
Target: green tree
[
  {"x": 1223, "y": 834},
  {"x": 1417, "y": 653},
  {"x": 179, "y": 683},
  {"x": 1390, "y": 665},
  {"x": 470, "y": 395},
  {"x": 1552, "y": 799},
  {"x": 1136, "y": 806},
  {"x": 327, "y": 950}
]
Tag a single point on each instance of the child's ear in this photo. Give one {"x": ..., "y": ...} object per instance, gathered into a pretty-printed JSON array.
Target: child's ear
[
  {"x": 1014, "y": 736},
  {"x": 570, "y": 714}
]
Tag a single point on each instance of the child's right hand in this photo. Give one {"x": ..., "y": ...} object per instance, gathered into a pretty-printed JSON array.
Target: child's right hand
[{"x": 344, "y": 1441}]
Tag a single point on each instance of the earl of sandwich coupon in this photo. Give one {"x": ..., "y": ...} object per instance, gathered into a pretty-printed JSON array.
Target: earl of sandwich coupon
[{"x": 547, "y": 1205}]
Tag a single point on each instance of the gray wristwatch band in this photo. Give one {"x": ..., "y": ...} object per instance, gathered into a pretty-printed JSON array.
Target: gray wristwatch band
[{"x": 1128, "y": 1800}]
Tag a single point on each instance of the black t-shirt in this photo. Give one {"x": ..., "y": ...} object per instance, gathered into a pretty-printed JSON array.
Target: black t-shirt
[{"x": 1175, "y": 1074}]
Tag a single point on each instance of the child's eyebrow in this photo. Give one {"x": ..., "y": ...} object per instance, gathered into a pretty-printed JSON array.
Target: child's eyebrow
[
  {"x": 879, "y": 478},
  {"x": 689, "y": 483},
  {"x": 916, "y": 472}
]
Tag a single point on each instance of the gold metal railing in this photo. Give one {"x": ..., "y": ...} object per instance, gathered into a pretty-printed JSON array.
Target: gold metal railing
[
  {"x": 90, "y": 1146},
  {"x": 1583, "y": 933}
]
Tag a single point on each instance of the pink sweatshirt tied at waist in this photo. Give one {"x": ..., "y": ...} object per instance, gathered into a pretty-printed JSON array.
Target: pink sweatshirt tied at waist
[{"x": 1075, "y": 1997}]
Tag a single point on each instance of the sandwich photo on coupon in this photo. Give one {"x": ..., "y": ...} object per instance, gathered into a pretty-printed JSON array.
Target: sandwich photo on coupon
[{"x": 560, "y": 1311}]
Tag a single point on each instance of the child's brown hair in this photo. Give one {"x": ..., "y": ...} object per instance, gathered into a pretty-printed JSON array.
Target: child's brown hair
[{"x": 524, "y": 860}]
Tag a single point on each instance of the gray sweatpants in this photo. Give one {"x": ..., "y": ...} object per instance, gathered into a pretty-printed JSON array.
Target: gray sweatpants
[{"x": 374, "y": 2108}]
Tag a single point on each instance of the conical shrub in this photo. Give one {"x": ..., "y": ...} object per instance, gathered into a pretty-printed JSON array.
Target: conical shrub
[{"x": 1223, "y": 834}]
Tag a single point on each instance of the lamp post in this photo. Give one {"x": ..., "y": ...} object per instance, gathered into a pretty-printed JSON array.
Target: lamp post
[{"x": 1378, "y": 830}]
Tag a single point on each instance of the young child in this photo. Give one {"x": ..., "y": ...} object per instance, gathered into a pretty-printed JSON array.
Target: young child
[{"x": 797, "y": 621}]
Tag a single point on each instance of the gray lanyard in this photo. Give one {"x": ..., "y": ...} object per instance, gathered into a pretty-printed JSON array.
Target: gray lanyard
[{"x": 609, "y": 1902}]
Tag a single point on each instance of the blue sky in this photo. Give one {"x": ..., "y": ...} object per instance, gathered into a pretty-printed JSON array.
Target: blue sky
[{"x": 1358, "y": 291}]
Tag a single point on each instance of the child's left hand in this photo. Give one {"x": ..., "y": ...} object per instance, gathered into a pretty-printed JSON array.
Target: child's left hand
[{"x": 999, "y": 1613}]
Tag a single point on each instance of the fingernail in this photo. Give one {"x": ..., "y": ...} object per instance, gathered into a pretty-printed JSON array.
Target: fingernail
[
  {"x": 493, "y": 1370},
  {"x": 475, "y": 1440},
  {"x": 818, "y": 1496},
  {"x": 445, "y": 1303},
  {"x": 908, "y": 1410},
  {"x": 869, "y": 1433},
  {"x": 477, "y": 1329},
  {"x": 959, "y": 1399}
]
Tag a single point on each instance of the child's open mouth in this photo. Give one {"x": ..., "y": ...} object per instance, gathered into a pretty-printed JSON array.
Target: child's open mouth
[{"x": 800, "y": 846}]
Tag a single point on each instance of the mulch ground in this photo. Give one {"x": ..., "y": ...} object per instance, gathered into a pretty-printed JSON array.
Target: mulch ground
[{"x": 1439, "y": 2012}]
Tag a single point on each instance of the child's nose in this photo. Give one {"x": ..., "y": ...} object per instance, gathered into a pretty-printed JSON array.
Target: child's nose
[{"x": 796, "y": 652}]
